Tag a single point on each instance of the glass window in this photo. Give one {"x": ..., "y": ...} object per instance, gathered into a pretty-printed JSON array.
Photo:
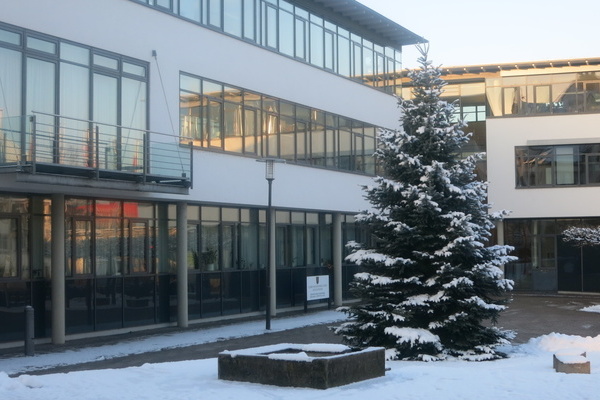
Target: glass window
[
  {"x": 190, "y": 9},
  {"x": 76, "y": 54},
  {"x": 232, "y": 17},
  {"x": 189, "y": 83},
  {"x": 270, "y": 27},
  {"x": 316, "y": 45},
  {"x": 329, "y": 50},
  {"x": 134, "y": 69},
  {"x": 9, "y": 247},
  {"x": 74, "y": 103},
  {"x": 41, "y": 94},
  {"x": 230, "y": 257},
  {"x": 214, "y": 12},
  {"x": 41, "y": 45},
  {"x": 301, "y": 38},
  {"x": 249, "y": 20},
  {"x": 566, "y": 165},
  {"x": 286, "y": 33},
  {"x": 213, "y": 120},
  {"x": 10, "y": 37},
  {"x": 164, "y": 3},
  {"x": 209, "y": 256},
  {"x": 105, "y": 62},
  {"x": 10, "y": 96},
  {"x": 250, "y": 130}
]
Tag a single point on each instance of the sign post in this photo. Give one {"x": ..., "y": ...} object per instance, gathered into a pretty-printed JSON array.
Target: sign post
[{"x": 317, "y": 288}]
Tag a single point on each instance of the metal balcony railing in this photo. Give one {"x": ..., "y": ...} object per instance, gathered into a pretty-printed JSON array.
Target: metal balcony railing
[{"x": 49, "y": 143}]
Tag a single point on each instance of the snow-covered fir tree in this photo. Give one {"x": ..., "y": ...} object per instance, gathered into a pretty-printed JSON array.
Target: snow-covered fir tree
[
  {"x": 582, "y": 236},
  {"x": 432, "y": 285}
]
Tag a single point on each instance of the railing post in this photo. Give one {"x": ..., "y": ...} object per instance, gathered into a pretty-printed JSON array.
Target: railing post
[
  {"x": 29, "y": 331},
  {"x": 97, "y": 148},
  {"x": 191, "y": 164},
  {"x": 146, "y": 145},
  {"x": 33, "y": 134}
]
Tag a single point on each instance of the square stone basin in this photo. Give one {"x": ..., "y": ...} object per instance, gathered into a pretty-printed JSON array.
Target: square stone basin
[{"x": 318, "y": 366}]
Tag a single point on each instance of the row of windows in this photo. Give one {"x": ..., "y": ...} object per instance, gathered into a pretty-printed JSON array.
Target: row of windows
[
  {"x": 545, "y": 261},
  {"x": 539, "y": 166},
  {"x": 236, "y": 120},
  {"x": 51, "y": 76},
  {"x": 113, "y": 238},
  {"x": 290, "y": 30},
  {"x": 544, "y": 94}
]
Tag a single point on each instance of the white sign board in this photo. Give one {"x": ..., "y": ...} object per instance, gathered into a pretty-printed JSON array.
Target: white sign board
[{"x": 317, "y": 287}]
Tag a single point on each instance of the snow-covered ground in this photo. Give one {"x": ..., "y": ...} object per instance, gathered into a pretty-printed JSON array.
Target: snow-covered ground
[{"x": 526, "y": 374}]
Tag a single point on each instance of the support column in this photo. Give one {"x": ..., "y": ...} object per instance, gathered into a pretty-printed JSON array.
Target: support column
[
  {"x": 272, "y": 267},
  {"x": 500, "y": 235},
  {"x": 58, "y": 268},
  {"x": 337, "y": 259},
  {"x": 182, "y": 267}
]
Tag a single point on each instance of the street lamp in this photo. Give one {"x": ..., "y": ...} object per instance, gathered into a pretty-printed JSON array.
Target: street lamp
[{"x": 270, "y": 177}]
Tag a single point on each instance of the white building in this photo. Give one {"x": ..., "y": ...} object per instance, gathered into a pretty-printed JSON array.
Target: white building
[{"x": 110, "y": 220}]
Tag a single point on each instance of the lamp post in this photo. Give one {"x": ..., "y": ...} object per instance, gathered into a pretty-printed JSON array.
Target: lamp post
[{"x": 270, "y": 177}]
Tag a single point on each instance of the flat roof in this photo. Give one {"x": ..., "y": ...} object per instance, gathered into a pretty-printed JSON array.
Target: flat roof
[
  {"x": 364, "y": 21},
  {"x": 524, "y": 65}
]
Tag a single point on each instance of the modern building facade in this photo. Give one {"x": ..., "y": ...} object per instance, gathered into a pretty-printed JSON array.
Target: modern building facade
[
  {"x": 130, "y": 192},
  {"x": 539, "y": 123}
]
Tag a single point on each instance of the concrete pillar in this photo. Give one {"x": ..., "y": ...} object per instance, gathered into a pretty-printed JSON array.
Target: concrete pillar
[
  {"x": 273, "y": 268},
  {"x": 182, "y": 267},
  {"x": 337, "y": 259},
  {"x": 58, "y": 269},
  {"x": 500, "y": 235}
]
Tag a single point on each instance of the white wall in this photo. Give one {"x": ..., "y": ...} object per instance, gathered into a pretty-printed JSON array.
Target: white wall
[
  {"x": 503, "y": 134},
  {"x": 131, "y": 29}
]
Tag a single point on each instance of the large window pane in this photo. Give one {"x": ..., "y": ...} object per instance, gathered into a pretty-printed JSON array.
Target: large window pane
[
  {"x": 301, "y": 38},
  {"x": 8, "y": 247},
  {"x": 105, "y": 110},
  {"x": 232, "y": 17},
  {"x": 286, "y": 33},
  {"x": 190, "y": 9},
  {"x": 566, "y": 165},
  {"x": 10, "y": 105},
  {"x": 316, "y": 45},
  {"x": 41, "y": 89},
  {"x": 249, "y": 20},
  {"x": 74, "y": 103},
  {"x": 214, "y": 13}
]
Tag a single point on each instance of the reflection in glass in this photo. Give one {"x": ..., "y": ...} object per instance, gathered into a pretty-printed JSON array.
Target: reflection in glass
[
  {"x": 8, "y": 247},
  {"x": 41, "y": 89}
]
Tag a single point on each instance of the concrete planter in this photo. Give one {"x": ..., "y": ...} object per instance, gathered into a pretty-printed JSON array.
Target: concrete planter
[{"x": 318, "y": 366}]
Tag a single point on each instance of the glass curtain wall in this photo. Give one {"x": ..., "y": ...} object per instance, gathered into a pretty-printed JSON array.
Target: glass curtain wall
[
  {"x": 119, "y": 261},
  {"x": 281, "y": 26},
  {"x": 558, "y": 93},
  {"x": 78, "y": 83},
  {"x": 24, "y": 269},
  {"x": 546, "y": 262},
  {"x": 568, "y": 165},
  {"x": 216, "y": 116}
]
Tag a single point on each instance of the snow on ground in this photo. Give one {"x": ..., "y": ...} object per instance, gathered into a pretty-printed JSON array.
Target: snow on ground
[
  {"x": 595, "y": 308},
  {"x": 526, "y": 375}
]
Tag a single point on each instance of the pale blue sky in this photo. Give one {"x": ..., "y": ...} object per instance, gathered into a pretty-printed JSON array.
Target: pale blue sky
[{"x": 467, "y": 32}]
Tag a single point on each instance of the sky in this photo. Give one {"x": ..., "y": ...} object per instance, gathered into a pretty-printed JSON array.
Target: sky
[
  {"x": 527, "y": 373},
  {"x": 472, "y": 32}
]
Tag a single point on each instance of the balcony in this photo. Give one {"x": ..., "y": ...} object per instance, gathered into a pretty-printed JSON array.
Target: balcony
[{"x": 53, "y": 149}]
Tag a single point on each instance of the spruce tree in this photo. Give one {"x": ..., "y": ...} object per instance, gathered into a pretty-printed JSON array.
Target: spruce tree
[{"x": 432, "y": 286}]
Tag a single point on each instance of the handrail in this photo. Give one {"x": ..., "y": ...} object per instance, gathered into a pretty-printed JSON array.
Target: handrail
[{"x": 77, "y": 144}]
